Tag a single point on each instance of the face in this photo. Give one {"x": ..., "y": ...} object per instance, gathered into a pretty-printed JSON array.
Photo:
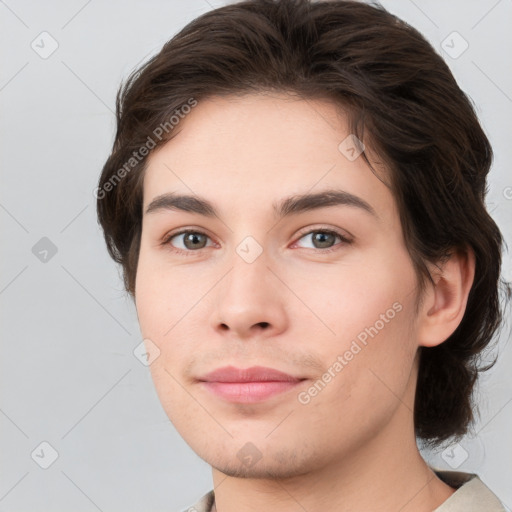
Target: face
[{"x": 322, "y": 290}]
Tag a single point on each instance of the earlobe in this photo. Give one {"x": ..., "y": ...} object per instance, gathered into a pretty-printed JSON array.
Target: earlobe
[{"x": 445, "y": 302}]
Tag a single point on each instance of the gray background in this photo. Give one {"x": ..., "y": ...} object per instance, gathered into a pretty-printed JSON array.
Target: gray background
[{"x": 68, "y": 373}]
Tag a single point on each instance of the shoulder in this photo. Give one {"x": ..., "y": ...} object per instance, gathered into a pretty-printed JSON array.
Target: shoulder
[
  {"x": 471, "y": 494},
  {"x": 205, "y": 504}
]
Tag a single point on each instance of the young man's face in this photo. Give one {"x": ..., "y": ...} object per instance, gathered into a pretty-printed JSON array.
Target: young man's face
[{"x": 253, "y": 288}]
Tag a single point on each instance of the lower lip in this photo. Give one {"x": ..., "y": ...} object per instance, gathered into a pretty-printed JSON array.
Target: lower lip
[{"x": 249, "y": 392}]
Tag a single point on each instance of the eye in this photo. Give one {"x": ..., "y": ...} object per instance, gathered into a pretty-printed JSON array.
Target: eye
[
  {"x": 190, "y": 241},
  {"x": 325, "y": 239}
]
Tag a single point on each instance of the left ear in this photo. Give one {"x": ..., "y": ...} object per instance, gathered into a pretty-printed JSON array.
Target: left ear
[{"x": 445, "y": 303}]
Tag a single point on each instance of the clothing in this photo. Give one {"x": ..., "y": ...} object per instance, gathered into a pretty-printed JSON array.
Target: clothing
[{"x": 472, "y": 495}]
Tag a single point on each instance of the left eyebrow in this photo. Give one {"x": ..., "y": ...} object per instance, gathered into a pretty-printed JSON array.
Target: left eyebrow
[
  {"x": 327, "y": 198},
  {"x": 292, "y": 205}
]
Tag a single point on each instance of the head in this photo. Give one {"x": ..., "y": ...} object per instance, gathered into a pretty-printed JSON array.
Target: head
[{"x": 248, "y": 108}]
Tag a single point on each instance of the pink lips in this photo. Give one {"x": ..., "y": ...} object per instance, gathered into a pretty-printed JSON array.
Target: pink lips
[{"x": 248, "y": 385}]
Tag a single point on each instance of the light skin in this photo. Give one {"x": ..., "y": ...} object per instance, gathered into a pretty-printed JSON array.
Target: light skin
[{"x": 295, "y": 308}]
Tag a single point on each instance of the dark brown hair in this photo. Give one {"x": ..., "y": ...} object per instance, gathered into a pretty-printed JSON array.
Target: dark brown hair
[{"x": 404, "y": 104}]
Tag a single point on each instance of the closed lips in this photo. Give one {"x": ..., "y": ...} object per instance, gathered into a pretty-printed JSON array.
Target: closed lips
[{"x": 253, "y": 374}]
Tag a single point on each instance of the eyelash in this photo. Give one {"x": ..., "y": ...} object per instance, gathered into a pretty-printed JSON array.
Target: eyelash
[{"x": 344, "y": 240}]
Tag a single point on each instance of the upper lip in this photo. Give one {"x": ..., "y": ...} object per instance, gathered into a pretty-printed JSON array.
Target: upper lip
[{"x": 252, "y": 374}]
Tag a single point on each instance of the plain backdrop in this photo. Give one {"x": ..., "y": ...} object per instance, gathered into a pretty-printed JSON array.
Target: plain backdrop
[{"x": 74, "y": 397}]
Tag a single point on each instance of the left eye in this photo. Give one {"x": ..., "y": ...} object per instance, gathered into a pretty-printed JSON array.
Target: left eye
[{"x": 323, "y": 239}]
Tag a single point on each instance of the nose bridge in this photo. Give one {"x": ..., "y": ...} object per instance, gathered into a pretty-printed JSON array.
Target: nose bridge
[{"x": 249, "y": 266}]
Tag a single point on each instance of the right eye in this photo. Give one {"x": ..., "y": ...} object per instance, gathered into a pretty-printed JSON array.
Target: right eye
[{"x": 191, "y": 241}]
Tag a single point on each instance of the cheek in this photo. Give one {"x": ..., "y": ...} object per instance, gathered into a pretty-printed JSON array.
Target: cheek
[
  {"x": 375, "y": 339},
  {"x": 162, "y": 305},
  {"x": 357, "y": 296},
  {"x": 167, "y": 302},
  {"x": 367, "y": 311},
  {"x": 160, "y": 295}
]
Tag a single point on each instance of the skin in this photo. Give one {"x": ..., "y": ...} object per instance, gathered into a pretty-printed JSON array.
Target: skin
[{"x": 352, "y": 447}]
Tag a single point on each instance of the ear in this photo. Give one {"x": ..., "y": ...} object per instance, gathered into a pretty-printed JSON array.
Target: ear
[{"x": 444, "y": 304}]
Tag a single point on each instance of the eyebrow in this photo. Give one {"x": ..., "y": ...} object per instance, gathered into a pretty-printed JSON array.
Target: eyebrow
[{"x": 292, "y": 205}]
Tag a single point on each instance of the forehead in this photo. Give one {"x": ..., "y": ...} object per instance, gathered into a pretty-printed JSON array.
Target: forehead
[{"x": 249, "y": 151}]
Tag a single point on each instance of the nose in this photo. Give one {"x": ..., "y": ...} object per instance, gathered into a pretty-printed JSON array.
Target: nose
[{"x": 249, "y": 301}]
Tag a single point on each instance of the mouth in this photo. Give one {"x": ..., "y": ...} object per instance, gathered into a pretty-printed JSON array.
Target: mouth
[{"x": 250, "y": 385}]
